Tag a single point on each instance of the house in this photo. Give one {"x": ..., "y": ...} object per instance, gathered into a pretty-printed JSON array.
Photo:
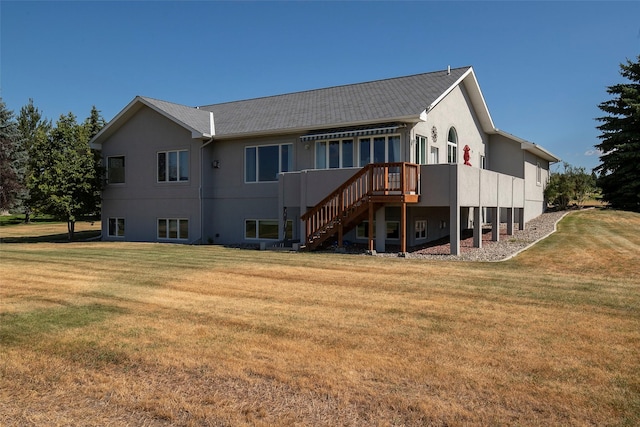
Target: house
[{"x": 399, "y": 161}]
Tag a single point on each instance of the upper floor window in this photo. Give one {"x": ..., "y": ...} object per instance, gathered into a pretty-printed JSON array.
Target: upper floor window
[
  {"x": 483, "y": 162},
  {"x": 265, "y": 162},
  {"x": 421, "y": 150},
  {"x": 452, "y": 146},
  {"x": 115, "y": 170},
  {"x": 435, "y": 156},
  {"x": 334, "y": 154},
  {"x": 379, "y": 149},
  {"x": 173, "y": 166}
]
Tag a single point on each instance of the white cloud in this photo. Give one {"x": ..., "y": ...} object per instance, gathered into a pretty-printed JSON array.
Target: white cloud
[{"x": 592, "y": 153}]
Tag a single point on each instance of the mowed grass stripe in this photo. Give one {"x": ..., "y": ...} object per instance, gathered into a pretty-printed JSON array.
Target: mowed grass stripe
[{"x": 202, "y": 335}]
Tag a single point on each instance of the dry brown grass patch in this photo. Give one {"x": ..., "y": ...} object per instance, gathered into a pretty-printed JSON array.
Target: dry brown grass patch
[{"x": 147, "y": 334}]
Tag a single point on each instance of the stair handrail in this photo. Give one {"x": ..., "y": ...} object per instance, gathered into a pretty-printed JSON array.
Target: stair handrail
[{"x": 355, "y": 189}]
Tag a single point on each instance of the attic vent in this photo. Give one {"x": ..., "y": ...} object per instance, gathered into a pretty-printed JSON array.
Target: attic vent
[{"x": 448, "y": 69}]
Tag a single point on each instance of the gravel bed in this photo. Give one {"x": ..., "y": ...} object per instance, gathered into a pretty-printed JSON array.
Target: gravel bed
[{"x": 507, "y": 246}]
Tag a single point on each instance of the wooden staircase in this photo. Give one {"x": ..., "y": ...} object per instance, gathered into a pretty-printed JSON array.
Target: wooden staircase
[{"x": 354, "y": 200}]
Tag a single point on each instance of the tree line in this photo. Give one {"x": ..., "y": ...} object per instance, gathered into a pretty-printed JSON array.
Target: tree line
[{"x": 48, "y": 168}]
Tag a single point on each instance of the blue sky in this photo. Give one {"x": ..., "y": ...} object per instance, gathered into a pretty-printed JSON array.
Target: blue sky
[{"x": 543, "y": 67}]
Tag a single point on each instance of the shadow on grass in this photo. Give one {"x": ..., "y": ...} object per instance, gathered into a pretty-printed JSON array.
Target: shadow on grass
[
  {"x": 78, "y": 236},
  {"x": 16, "y": 328}
]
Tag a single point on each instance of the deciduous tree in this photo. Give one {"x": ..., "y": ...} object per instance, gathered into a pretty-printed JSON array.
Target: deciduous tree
[{"x": 619, "y": 171}]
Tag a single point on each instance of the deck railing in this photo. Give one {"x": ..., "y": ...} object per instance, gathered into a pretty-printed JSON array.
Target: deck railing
[{"x": 375, "y": 179}]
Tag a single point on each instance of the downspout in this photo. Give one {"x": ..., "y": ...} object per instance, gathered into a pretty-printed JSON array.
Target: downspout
[{"x": 200, "y": 189}]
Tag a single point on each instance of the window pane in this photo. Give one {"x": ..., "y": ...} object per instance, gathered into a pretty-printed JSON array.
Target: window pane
[
  {"x": 394, "y": 149},
  {"x": 434, "y": 155},
  {"x": 162, "y": 228},
  {"x": 173, "y": 228},
  {"x": 268, "y": 229},
  {"x": 115, "y": 170},
  {"x": 162, "y": 166},
  {"x": 268, "y": 163},
  {"x": 286, "y": 157},
  {"x": 347, "y": 153},
  {"x": 112, "y": 227},
  {"x": 365, "y": 151},
  {"x": 120, "y": 227},
  {"x": 393, "y": 230},
  {"x": 334, "y": 154},
  {"x": 250, "y": 164},
  {"x": 321, "y": 154},
  {"x": 173, "y": 165},
  {"x": 184, "y": 228},
  {"x": 184, "y": 165},
  {"x": 378, "y": 149},
  {"x": 250, "y": 229}
]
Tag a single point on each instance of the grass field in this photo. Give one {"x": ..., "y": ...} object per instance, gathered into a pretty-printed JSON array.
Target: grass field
[{"x": 100, "y": 333}]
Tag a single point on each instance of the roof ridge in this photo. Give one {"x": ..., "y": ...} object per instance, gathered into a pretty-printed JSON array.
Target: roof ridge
[{"x": 331, "y": 87}]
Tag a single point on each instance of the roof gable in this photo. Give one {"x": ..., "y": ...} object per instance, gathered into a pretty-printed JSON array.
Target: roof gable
[{"x": 199, "y": 122}]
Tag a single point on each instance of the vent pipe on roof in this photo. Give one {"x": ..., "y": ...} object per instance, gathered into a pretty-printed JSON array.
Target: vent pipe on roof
[{"x": 448, "y": 69}]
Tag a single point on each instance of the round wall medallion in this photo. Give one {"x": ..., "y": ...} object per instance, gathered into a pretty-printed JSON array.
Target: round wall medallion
[{"x": 434, "y": 134}]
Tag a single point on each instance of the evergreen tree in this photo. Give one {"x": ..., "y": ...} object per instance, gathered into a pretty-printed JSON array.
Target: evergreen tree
[
  {"x": 67, "y": 178},
  {"x": 619, "y": 171},
  {"x": 34, "y": 130},
  {"x": 11, "y": 157}
]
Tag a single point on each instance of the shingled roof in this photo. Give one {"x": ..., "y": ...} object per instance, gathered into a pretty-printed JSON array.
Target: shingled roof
[{"x": 401, "y": 98}]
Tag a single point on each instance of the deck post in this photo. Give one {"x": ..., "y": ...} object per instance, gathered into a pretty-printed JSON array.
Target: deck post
[
  {"x": 510, "y": 221},
  {"x": 371, "y": 227},
  {"x": 495, "y": 224},
  {"x": 477, "y": 227},
  {"x": 403, "y": 228},
  {"x": 454, "y": 211},
  {"x": 521, "y": 219}
]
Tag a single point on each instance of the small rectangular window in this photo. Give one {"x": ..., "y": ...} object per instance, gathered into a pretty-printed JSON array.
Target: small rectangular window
[
  {"x": 435, "y": 155},
  {"x": 173, "y": 228},
  {"x": 538, "y": 174},
  {"x": 115, "y": 170},
  {"x": 266, "y": 229},
  {"x": 421, "y": 150},
  {"x": 116, "y": 227},
  {"x": 421, "y": 229},
  {"x": 483, "y": 162},
  {"x": 173, "y": 166}
]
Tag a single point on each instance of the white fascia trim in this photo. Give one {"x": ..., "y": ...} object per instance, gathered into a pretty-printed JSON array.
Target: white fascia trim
[
  {"x": 476, "y": 96},
  {"x": 212, "y": 125}
]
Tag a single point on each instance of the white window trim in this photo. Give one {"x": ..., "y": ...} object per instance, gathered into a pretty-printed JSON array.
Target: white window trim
[
  {"x": 327, "y": 143},
  {"x": 125, "y": 169},
  {"x": 166, "y": 171},
  {"x": 257, "y": 221},
  {"x": 424, "y": 228},
  {"x": 117, "y": 236},
  {"x": 538, "y": 174},
  {"x": 453, "y": 144},
  {"x": 257, "y": 181},
  {"x": 422, "y": 148},
  {"x": 173, "y": 239},
  {"x": 371, "y": 147},
  {"x": 431, "y": 155}
]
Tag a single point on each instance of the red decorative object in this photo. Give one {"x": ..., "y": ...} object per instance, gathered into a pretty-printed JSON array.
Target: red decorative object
[{"x": 466, "y": 155}]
